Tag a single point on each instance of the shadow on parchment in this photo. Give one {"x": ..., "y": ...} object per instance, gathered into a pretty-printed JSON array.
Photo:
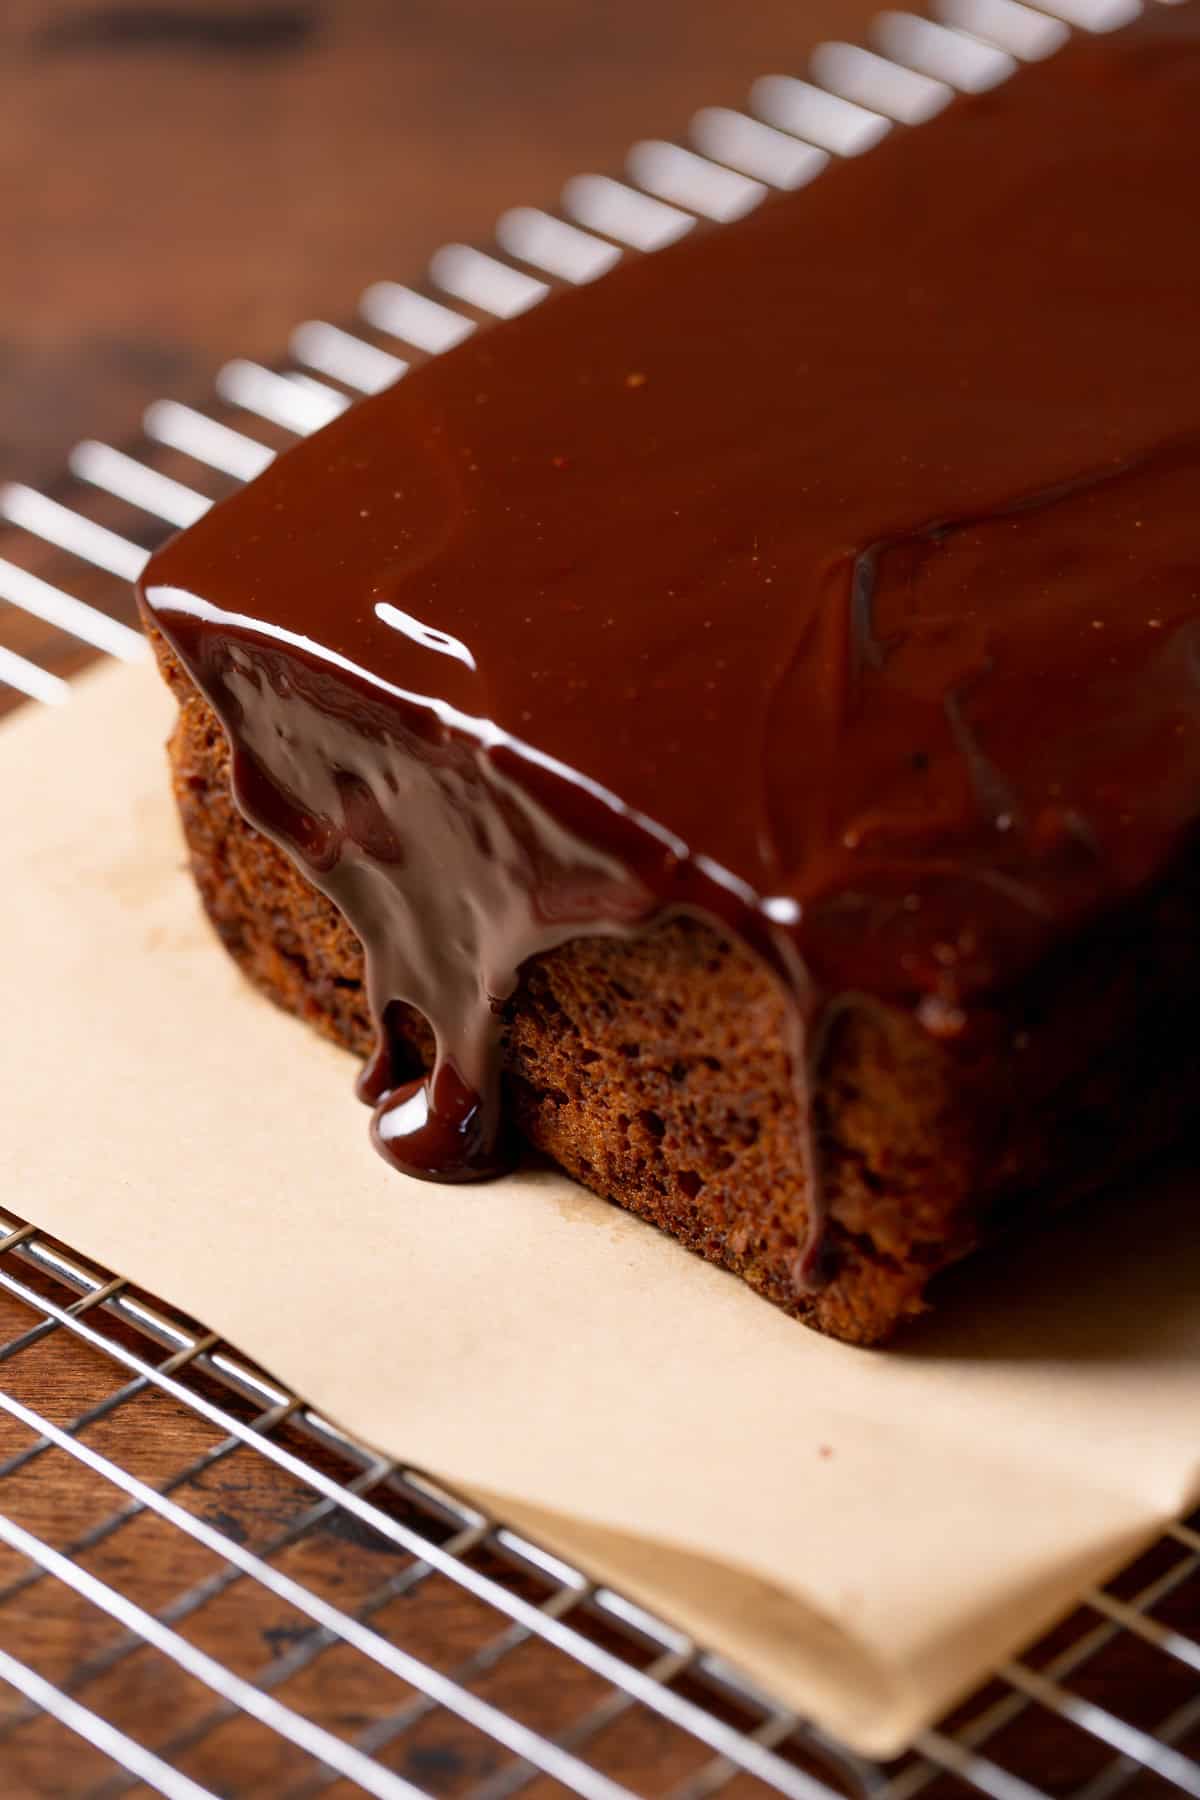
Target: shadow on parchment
[{"x": 1132, "y": 1252}]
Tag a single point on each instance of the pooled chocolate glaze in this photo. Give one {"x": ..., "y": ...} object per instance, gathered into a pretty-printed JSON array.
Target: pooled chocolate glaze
[{"x": 834, "y": 574}]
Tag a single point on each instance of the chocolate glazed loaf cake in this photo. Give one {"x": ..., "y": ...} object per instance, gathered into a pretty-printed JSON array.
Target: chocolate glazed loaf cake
[{"x": 737, "y": 726}]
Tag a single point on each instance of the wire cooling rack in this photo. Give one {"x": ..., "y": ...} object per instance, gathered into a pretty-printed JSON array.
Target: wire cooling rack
[
  {"x": 239, "y": 1599},
  {"x": 221, "y": 1510}
]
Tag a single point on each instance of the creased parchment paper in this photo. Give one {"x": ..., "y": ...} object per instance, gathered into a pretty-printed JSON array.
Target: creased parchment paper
[{"x": 865, "y": 1532}]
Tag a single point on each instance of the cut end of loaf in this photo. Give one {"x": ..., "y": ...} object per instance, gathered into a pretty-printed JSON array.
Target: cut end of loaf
[{"x": 654, "y": 1071}]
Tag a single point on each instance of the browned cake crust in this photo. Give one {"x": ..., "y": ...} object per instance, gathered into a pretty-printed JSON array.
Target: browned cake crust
[{"x": 655, "y": 1071}]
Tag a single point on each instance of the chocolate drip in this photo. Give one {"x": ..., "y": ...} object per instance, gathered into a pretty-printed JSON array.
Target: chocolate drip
[
  {"x": 449, "y": 871},
  {"x": 834, "y": 575}
]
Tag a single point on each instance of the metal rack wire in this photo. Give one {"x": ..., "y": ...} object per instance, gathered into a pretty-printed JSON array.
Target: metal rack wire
[
  {"x": 710, "y": 1726},
  {"x": 296, "y": 1562}
]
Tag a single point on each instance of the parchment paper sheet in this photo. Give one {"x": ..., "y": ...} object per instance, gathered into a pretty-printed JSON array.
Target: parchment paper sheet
[{"x": 866, "y": 1532}]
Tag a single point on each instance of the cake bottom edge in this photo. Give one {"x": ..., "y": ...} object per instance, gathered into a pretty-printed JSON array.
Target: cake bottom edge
[{"x": 654, "y": 1070}]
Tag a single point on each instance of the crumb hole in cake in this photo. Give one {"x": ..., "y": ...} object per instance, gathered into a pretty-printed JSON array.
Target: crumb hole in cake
[
  {"x": 589, "y": 1056},
  {"x": 689, "y": 1183},
  {"x": 929, "y": 1256},
  {"x": 867, "y": 1248},
  {"x": 631, "y": 1050},
  {"x": 653, "y": 1124}
]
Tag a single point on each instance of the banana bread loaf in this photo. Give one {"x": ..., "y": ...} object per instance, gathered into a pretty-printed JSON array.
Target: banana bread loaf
[{"x": 748, "y": 709}]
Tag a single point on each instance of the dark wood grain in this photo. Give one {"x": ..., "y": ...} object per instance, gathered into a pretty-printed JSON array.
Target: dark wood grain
[{"x": 182, "y": 181}]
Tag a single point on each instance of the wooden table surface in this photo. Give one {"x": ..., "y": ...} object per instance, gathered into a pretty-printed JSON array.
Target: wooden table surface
[{"x": 182, "y": 182}]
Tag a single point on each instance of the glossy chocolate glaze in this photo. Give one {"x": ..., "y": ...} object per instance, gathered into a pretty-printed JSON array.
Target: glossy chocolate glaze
[{"x": 835, "y": 574}]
